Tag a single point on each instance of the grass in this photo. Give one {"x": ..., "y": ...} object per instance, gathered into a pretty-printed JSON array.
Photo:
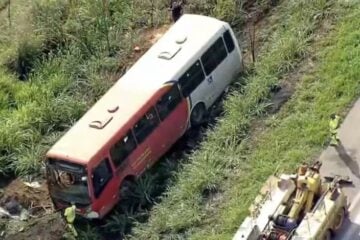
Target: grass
[
  {"x": 55, "y": 62},
  {"x": 57, "y": 59},
  {"x": 227, "y": 162},
  {"x": 300, "y": 131}
]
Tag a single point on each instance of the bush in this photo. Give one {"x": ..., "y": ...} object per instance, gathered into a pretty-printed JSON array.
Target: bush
[
  {"x": 227, "y": 10},
  {"x": 28, "y": 52}
]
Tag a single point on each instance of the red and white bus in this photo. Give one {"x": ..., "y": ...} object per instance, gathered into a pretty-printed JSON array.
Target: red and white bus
[{"x": 169, "y": 89}]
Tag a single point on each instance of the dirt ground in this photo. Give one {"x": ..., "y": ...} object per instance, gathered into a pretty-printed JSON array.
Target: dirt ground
[
  {"x": 36, "y": 200},
  {"x": 47, "y": 227},
  {"x": 41, "y": 222},
  {"x": 150, "y": 35}
]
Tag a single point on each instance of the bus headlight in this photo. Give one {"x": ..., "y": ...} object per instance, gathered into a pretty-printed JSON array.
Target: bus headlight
[
  {"x": 92, "y": 215},
  {"x": 89, "y": 213}
]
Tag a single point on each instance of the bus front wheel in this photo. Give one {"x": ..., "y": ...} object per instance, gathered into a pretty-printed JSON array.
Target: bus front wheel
[
  {"x": 126, "y": 189},
  {"x": 198, "y": 115}
]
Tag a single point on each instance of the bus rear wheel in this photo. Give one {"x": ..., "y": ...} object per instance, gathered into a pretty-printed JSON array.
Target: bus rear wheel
[
  {"x": 198, "y": 115},
  {"x": 126, "y": 189}
]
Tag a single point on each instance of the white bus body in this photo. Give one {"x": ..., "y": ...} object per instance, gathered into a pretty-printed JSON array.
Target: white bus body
[{"x": 200, "y": 53}]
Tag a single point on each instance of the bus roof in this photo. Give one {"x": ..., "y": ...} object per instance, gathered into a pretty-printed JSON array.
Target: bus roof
[{"x": 170, "y": 54}]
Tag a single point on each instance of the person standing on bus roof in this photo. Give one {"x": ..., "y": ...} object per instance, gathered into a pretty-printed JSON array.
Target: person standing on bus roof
[{"x": 176, "y": 7}]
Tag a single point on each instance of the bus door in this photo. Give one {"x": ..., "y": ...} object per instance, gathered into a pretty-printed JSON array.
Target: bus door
[
  {"x": 104, "y": 187},
  {"x": 173, "y": 113},
  {"x": 192, "y": 85},
  {"x": 218, "y": 68},
  {"x": 149, "y": 141}
]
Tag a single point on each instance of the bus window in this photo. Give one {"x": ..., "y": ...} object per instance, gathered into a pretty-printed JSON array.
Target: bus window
[
  {"x": 229, "y": 42},
  {"x": 67, "y": 181},
  {"x": 101, "y": 176},
  {"x": 122, "y": 149},
  {"x": 146, "y": 125},
  {"x": 168, "y": 102},
  {"x": 191, "y": 78},
  {"x": 214, "y": 56}
]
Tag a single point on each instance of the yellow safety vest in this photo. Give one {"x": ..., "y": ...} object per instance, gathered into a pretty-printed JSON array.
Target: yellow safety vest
[
  {"x": 70, "y": 214},
  {"x": 334, "y": 124}
]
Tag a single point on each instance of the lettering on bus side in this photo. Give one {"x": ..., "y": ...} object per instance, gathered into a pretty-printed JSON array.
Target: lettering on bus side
[
  {"x": 142, "y": 157},
  {"x": 165, "y": 105}
]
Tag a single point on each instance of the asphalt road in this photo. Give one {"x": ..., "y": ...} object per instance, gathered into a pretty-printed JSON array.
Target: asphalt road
[{"x": 345, "y": 160}]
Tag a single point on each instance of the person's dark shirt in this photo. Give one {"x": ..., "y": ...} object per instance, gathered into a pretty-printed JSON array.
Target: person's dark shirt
[{"x": 176, "y": 5}]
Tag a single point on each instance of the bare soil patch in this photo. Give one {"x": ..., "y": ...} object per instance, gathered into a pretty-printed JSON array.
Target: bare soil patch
[
  {"x": 48, "y": 227},
  {"x": 36, "y": 200},
  {"x": 41, "y": 222}
]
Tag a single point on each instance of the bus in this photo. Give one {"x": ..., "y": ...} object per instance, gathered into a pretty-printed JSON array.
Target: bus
[{"x": 168, "y": 90}]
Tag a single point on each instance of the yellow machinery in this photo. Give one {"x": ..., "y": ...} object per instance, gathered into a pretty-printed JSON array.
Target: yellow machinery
[
  {"x": 308, "y": 185},
  {"x": 297, "y": 207}
]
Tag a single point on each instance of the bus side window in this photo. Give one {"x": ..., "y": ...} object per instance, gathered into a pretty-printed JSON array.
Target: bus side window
[
  {"x": 121, "y": 150},
  {"x": 146, "y": 125},
  {"x": 101, "y": 176},
  {"x": 229, "y": 42},
  {"x": 168, "y": 102},
  {"x": 191, "y": 78},
  {"x": 214, "y": 56}
]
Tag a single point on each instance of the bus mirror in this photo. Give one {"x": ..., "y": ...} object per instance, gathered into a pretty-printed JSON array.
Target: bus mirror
[{"x": 84, "y": 179}]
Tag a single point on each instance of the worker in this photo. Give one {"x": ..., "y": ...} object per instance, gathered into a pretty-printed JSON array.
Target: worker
[
  {"x": 70, "y": 213},
  {"x": 176, "y": 8},
  {"x": 334, "y": 125}
]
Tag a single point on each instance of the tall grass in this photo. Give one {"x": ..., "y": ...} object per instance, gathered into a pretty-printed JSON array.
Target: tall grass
[
  {"x": 65, "y": 58},
  {"x": 66, "y": 51},
  {"x": 300, "y": 131},
  {"x": 182, "y": 208}
]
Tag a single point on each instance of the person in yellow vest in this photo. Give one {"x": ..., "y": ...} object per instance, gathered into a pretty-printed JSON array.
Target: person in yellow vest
[
  {"x": 334, "y": 125},
  {"x": 70, "y": 213}
]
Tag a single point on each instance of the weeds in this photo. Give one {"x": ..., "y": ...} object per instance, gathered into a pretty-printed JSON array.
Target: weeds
[
  {"x": 67, "y": 54},
  {"x": 75, "y": 40},
  {"x": 299, "y": 131},
  {"x": 72, "y": 50},
  {"x": 182, "y": 209}
]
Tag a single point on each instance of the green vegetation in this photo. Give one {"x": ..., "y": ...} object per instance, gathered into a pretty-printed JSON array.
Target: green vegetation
[
  {"x": 234, "y": 165},
  {"x": 58, "y": 57}
]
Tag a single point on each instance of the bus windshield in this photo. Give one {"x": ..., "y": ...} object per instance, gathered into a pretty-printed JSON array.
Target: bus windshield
[{"x": 67, "y": 182}]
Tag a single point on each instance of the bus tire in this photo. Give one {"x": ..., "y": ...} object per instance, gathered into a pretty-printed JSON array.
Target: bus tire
[
  {"x": 126, "y": 188},
  {"x": 198, "y": 115}
]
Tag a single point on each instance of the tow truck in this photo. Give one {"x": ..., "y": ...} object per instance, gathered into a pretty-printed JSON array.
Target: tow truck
[{"x": 300, "y": 206}]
